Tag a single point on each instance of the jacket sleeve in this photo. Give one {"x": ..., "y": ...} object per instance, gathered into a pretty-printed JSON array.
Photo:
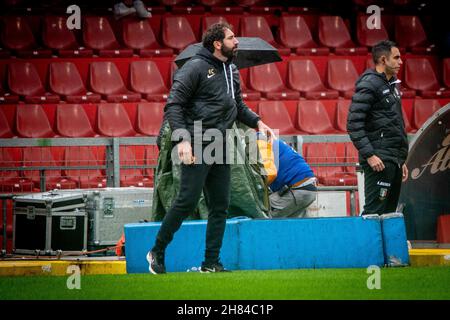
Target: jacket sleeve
[
  {"x": 184, "y": 85},
  {"x": 244, "y": 113},
  {"x": 362, "y": 102}
]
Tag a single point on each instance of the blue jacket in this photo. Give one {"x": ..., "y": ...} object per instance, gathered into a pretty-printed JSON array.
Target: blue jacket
[{"x": 291, "y": 167}]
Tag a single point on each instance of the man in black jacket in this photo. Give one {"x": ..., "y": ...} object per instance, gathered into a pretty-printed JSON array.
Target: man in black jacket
[
  {"x": 205, "y": 91},
  {"x": 376, "y": 127}
]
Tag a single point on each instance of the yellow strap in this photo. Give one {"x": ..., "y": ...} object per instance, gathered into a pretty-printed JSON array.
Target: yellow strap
[{"x": 268, "y": 159}]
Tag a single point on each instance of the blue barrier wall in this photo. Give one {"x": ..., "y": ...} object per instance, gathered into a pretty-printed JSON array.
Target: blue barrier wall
[
  {"x": 186, "y": 249},
  {"x": 347, "y": 242},
  {"x": 310, "y": 243},
  {"x": 394, "y": 240}
]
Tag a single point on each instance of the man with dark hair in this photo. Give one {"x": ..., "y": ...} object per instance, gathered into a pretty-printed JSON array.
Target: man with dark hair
[
  {"x": 206, "y": 90},
  {"x": 376, "y": 127}
]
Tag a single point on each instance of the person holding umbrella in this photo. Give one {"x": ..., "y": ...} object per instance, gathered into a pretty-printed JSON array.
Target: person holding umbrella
[{"x": 206, "y": 90}]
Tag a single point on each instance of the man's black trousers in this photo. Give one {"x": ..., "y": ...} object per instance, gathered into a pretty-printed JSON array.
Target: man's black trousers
[
  {"x": 214, "y": 180},
  {"x": 382, "y": 189}
]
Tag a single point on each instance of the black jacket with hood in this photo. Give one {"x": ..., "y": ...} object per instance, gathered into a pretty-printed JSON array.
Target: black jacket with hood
[
  {"x": 375, "y": 120},
  {"x": 208, "y": 90}
]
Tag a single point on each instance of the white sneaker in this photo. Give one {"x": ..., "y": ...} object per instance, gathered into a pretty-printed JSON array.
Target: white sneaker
[
  {"x": 121, "y": 10},
  {"x": 141, "y": 10}
]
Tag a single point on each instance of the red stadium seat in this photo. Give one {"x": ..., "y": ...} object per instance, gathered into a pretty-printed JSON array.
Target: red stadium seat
[
  {"x": 65, "y": 80},
  {"x": 105, "y": 79},
  {"x": 207, "y": 21},
  {"x": 333, "y": 33},
  {"x": 32, "y": 122},
  {"x": 10, "y": 181},
  {"x": 312, "y": 118},
  {"x": 409, "y": 33},
  {"x": 420, "y": 76},
  {"x": 446, "y": 76},
  {"x": 177, "y": 33},
  {"x": 248, "y": 94},
  {"x": 369, "y": 37},
  {"x": 423, "y": 110},
  {"x": 99, "y": 36},
  {"x": 149, "y": 118},
  {"x": 215, "y": 3},
  {"x": 146, "y": 79},
  {"x": 267, "y": 80},
  {"x": 275, "y": 115},
  {"x": 17, "y": 36},
  {"x": 24, "y": 81},
  {"x": 342, "y": 76},
  {"x": 5, "y": 128},
  {"x": 151, "y": 159},
  {"x": 257, "y": 26},
  {"x": 113, "y": 121},
  {"x": 42, "y": 157},
  {"x": 132, "y": 177},
  {"x": 408, "y": 127},
  {"x": 139, "y": 36},
  {"x": 6, "y": 97},
  {"x": 185, "y": 10},
  {"x": 329, "y": 153},
  {"x": 351, "y": 156},
  {"x": 87, "y": 178},
  {"x": 304, "y": 77},
  {"x": 342, "y": 108},
  {"x": 294, "y": 33},
  {"x": 59, "y": 38},
  {"x": 72, "y": 121}
]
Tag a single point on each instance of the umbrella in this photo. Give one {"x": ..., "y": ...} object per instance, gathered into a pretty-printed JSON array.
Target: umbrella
[{"x": 251, "y": 52}]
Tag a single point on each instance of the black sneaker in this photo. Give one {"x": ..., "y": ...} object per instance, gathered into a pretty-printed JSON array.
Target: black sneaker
[
  {"x": 156, "y": 262},
  {"x": 213, "y": 267}
]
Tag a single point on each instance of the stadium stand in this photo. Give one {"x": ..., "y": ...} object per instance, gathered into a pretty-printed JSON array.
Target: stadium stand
[
  {"x": 86, "y": 178},
  {"x": 275, "y": 115},
  {"x": 106, "y": 80},
  {"x": 149, "y": 118},
  {"x": 420, "y": 76},
  {"x": 42, "y": 157},
  {"x": 24, "y": 81},
  {"x": 57, "y": 37},
  {"x": 313, "y": 118},
  {"x": 146, "y": 79},
  {"x": 342, "y": 76},
  {"x": 11, "y": 181},
  {"x": 304, "y": 77},
  {"x": 65, "y": 81},
  {"x": 266, "y": 79},
  {"x": 32, "y": 122},
  {"x": 424, "y": 109},
  {"x": 73, "y": 122},
  {"x": 99, "y": 36},
  {"x": 113, "y": 121}
]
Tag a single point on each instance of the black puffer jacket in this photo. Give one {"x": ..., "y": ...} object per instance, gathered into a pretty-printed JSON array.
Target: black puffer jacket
[
  {"x": 208, "y": 90},
  {"x": 375, "y": 120}
]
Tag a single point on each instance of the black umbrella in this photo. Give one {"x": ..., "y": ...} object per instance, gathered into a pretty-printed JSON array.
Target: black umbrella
[{"x": 251, "y": 52}]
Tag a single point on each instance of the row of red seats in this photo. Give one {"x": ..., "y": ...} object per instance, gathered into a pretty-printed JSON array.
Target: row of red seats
[
  {"x": 318, "y": 155},
  {"x": 29, "y": 180},
  {"x": 301, "y": 79},
  {"x": 312, "y": 117},
  {"x": 293, "y": 35},
  {"x": 65, "y": 83},
  {"x": 113, "y": 120},
  {"x": 71, "y": 120}
]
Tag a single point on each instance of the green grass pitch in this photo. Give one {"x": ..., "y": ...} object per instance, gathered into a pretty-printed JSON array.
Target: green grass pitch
[{"x": 395, "y": 283}]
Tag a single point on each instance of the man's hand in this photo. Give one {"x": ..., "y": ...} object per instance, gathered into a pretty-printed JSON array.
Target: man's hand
[
  {"x": 375, "y": 163},
  {"x": 185, "y": 152},
  {"x": 262, "y": 127},
  {"x": 405, "y": 173}
]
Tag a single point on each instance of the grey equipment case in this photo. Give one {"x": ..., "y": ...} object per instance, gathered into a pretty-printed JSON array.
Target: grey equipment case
[
  {"x": 50, "y": 222},
  {"x": 109, "y": 209}
]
